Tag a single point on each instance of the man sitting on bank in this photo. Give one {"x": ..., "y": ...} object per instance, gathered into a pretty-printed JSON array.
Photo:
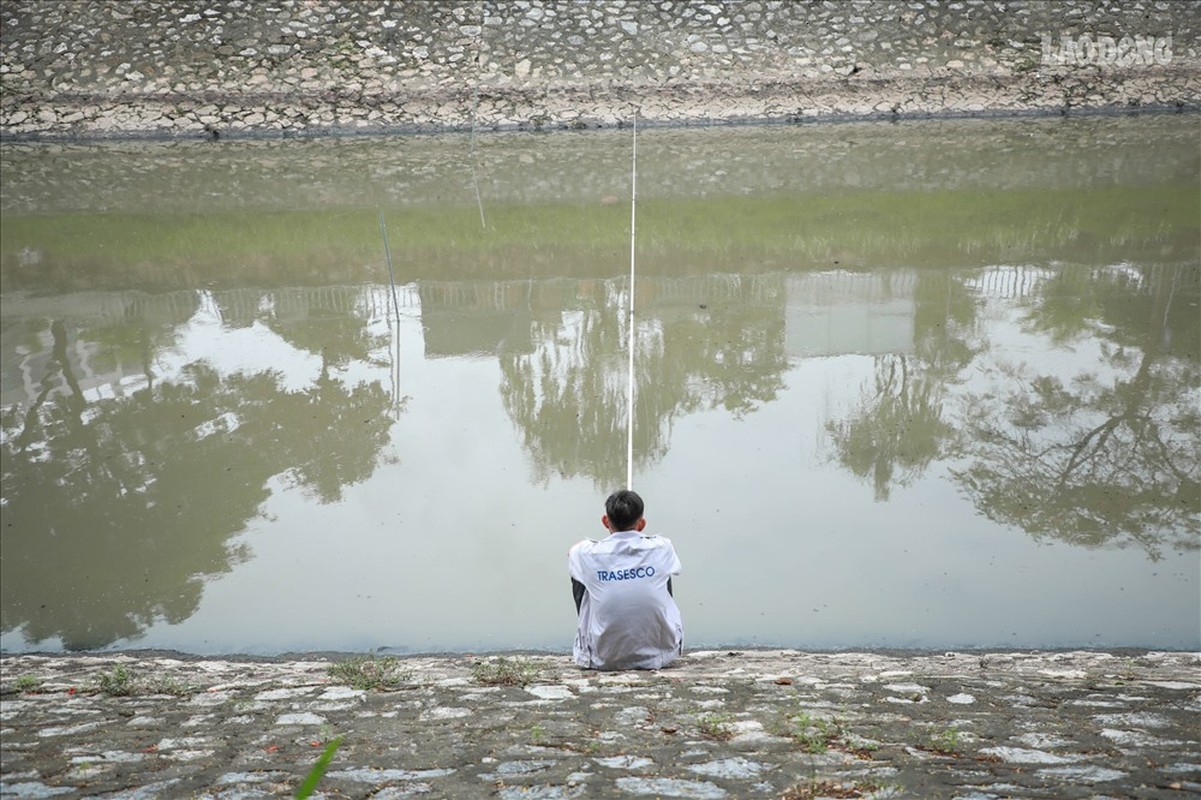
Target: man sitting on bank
[{"x": 628, "y": 618}]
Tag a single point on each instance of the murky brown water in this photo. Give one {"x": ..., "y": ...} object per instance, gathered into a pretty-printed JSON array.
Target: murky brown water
[{"x": 929, "y": 385}]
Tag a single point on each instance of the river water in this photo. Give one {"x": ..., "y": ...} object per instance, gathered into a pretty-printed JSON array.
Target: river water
[{"x": 925, "y": 384}]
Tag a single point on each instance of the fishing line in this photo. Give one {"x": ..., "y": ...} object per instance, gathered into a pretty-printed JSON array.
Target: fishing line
[{"x": 630, "y": 393}]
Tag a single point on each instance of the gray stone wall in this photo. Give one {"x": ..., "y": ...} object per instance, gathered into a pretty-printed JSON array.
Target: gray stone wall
[{"x": 246, "y": 67}]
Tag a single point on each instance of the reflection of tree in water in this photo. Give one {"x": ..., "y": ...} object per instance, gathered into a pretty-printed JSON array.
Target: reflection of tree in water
[
  {"x": 338, "y": 336},
  {"x": 116, "y": 511},
  {"x": 569, "y": 396},
  {"x": 342, "y": 432},
  {"x": 1099, "y": 459},
  {"x": 731, "y": 355},
  {"x": 322, "y": 462},
  {"x": 899, "y": 428}
]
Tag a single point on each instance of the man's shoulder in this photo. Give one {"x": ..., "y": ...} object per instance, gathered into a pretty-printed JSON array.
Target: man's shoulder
[
  {"x": 642, "y": 541},
  {"x": 583, "y": 546}
]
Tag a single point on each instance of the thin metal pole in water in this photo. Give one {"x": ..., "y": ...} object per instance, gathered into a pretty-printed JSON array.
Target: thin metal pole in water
[{"x": 630, "y": 394}]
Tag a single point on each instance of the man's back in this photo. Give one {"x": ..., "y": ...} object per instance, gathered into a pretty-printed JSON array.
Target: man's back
[{"x": 628, "y": 618}]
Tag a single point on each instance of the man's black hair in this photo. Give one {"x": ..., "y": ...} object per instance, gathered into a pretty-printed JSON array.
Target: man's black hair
[{"x": 623, "y": 508}]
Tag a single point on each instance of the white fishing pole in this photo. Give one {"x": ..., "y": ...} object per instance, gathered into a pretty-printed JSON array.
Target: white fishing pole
[{"x": 630, "y": 394}]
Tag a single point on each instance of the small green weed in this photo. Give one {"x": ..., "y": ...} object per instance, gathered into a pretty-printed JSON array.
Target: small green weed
[
  {"x": 589, "y": 748},
  {"x": 815, "y": 734},
  {"x": 537, "y": 734},
  {"x": 26, "y": 683},
  {"x": 944, "y": 742},
  {"x": 118, "y": 683},
  {"x": 815, "y": 788},
  {"x": 503, "y": 671},
  {"x": 858, "y": 746},
  {"x": 716, "y": 725},
  {"x": 169, "y": 686},
  {"x": 370, "y": 672}
]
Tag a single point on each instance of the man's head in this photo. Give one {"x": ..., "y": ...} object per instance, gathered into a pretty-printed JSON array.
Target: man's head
[{"x": 623, "y": 512}]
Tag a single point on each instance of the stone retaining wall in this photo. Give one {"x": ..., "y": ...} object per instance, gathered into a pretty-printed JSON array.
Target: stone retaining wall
[
  {"x": 757, "y": 724},
  {"x": 195, "y": 68}
]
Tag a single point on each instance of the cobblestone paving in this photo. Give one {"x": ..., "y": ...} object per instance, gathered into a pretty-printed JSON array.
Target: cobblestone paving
[
  {"x": 718, "y": 724},
  {"x": 169, "y": 68}
]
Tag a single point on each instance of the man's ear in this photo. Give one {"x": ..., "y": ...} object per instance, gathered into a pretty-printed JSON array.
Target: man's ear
[
  {"x": 605, "y": 522},
  {"x": 640, "y": 525}
]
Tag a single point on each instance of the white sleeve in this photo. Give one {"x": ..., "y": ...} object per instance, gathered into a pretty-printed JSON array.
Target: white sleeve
[
  {"x": 575, "y": 561},
  {"x": 673, "y": 559}
]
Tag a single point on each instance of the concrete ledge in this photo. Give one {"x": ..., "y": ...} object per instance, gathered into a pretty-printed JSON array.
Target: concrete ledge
[
  {"x": 75, "y": 117},
  {"x": 772, "y": 723}
]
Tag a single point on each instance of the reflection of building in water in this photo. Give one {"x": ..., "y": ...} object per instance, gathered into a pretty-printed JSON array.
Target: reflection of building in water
[
  {"x": 842, "y": 313},
  {"x": 28, "y": 345},
  {"x": 874, "y": 313},
  {"x": 464, "y": 318},
  {"x": 827, "y": 313}
]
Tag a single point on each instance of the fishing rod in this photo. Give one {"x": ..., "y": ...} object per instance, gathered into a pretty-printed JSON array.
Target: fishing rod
[{"x": 630, "y": 393}]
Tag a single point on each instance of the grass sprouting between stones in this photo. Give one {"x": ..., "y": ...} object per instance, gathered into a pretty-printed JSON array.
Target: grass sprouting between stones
[
  {"x": 814, "y": 734},
  {"x": 118, "y": 683},
  {"x": 25, "y": 683},
  {"x": 370, "y": 672},
  {"x": 815, "y": 788},
  {"x": 943, "y": 742},
  {"x": 124, "y": 682},
  {"x": 502, "y": 671},
  {"x": 716, "y": 725}
]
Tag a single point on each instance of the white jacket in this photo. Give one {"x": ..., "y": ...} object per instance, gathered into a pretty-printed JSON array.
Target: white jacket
[{"x": 628, "y": 619}]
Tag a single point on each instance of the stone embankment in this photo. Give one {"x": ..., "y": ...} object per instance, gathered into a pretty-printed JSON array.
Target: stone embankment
[
  {"x": 185, "y": 68},
  {"x": 778, "y": 724}
]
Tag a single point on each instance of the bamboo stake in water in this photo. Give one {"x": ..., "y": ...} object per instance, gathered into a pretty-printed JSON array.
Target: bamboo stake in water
[
  {"x": 630, "y": 394},
  {"x": 391, "y": 275},
  {"x": 383, "y": 229},
  {"x": 475, "y": 105}
]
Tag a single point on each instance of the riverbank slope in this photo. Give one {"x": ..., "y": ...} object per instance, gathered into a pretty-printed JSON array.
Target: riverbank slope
[{"x": 111, "y": 68}]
